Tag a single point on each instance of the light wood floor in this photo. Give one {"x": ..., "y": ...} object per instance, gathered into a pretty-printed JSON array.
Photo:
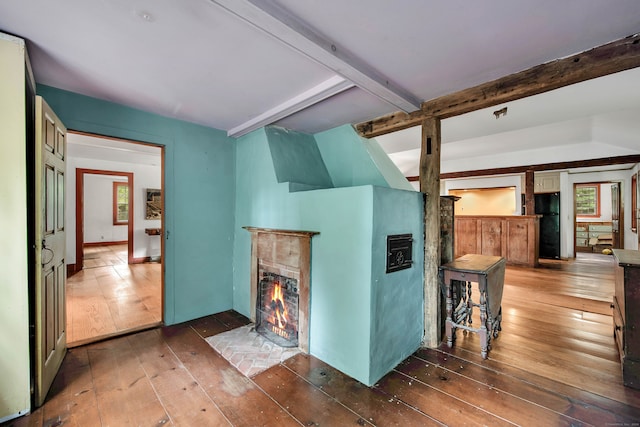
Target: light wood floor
[
  {"x": 551, "y": 366},
  {"x": 109, "y": 297}
]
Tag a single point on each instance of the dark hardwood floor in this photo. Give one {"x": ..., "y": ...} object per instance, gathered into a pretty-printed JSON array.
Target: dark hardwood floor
[{"x": 554, "y": 364}]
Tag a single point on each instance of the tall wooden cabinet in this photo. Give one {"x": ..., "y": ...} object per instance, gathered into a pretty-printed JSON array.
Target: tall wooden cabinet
[{"x": 626, "y": 314}]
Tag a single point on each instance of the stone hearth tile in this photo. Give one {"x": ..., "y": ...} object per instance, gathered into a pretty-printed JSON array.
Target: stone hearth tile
[{"x": 249, "y": 352}]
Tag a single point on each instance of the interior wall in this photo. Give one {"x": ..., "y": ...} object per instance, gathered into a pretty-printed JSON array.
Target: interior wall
[
  {"x": 144, "y": 176},
  {"x": 344, "y": 286},
  {"x": 353, "y": 160},
  {"x": 502, "y": 181},
  {"x": 14, "y": 305},
  {"x": 488, "y": 201},
  {"x": 199, "y": 189},
  {"x": 98, "y": 211}
]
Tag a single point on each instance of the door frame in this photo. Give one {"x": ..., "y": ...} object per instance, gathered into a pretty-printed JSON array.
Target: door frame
[
  {"x": 80, "y": 173},
  {"x": 575, "y": 216}
]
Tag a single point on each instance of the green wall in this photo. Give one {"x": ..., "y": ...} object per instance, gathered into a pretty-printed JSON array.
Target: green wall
[
  {"x": 347, "y": 288},
  {"x": 353, "y": 160},
  {"x": 397, "y": 297},
  {"x": 199, "y": 190}
]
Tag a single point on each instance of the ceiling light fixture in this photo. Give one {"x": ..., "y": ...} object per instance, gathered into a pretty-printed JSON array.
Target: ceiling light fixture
[
  {"x": 145, "y": 15},
  {"x": 501, "y": 112}
]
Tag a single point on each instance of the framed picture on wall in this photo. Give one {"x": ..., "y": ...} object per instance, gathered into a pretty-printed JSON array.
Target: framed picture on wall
[{"x": 154, "y": 204}]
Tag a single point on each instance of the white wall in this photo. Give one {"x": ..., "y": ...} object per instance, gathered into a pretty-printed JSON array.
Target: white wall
[
  {"x": 486, "y": 182},
  {"x": 144, "y": 176},
  {"x": 98, "y": 210}
]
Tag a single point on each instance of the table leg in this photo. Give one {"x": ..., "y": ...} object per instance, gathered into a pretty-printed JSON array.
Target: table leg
[
  {"x": 484, "y": 336},
  {"x": 449, "y": 329}
]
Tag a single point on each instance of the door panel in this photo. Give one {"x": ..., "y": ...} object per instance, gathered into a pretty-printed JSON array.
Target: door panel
[
  {"x": 50, "y": 277},
  {"x": 616, "y": 217}
]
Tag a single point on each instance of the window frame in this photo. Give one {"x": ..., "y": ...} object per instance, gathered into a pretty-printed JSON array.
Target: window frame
[
  {"x": 116, "y": 185},
  {"x": 596, "y": 187}
]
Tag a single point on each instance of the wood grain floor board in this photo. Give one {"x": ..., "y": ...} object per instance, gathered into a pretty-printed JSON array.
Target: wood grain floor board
[
  {"x": 182, "y": 396},
  {"x": 239, "y": 398},
  {"x": 113, "y": 298},
  {"x": 371, "y": 403},
  {"x": 487, "y": 397},
  {"x": 554, "y": 396},
  {"x": 306, "y": 403},
  {"x": 438, "y": 404},
  {"x": 551, "y": 365}
]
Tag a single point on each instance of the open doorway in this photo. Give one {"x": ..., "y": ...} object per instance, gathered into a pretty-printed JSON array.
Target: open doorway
[
  {"x": 115, "y": 253},
  {"x": 598, "y": 217}
]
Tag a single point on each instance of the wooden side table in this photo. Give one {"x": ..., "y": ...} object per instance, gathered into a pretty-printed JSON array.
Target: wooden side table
[{"x": 488, "y": 273}]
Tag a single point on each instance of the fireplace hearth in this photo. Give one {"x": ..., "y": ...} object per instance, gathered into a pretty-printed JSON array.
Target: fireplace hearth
[{"x": 280, "y": 285}]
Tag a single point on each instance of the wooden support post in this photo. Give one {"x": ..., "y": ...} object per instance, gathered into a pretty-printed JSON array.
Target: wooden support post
[
  {"x": 430, "y": 185},
  {"x": 530, "y": 203}
]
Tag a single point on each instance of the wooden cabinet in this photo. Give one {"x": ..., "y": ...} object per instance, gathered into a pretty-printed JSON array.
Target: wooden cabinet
[
  {"x": 515, "y": 238},
  {"x": 548, "y": 182},
  {"x": 626, "y": 316},
  {"x": 593, "y": 236}
]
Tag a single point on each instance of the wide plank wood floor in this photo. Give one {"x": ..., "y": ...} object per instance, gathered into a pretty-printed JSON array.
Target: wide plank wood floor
[
  {"x": 110, "y": 297},
  {"x": 550, "y": 366}
]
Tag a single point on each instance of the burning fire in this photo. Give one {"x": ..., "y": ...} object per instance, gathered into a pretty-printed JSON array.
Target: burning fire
[{"x": 277, "y": 306}]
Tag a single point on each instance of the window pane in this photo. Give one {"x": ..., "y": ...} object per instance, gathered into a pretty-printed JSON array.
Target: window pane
[
  {"x": 121, "y": 202},
  {"x": 586, "y": 200}
]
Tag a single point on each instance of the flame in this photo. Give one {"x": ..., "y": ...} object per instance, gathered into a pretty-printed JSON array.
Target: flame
[{"x": 277, "y": 306}]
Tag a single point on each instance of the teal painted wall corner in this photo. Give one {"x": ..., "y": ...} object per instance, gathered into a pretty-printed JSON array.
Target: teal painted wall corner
[{"x": 199, "y": 180}]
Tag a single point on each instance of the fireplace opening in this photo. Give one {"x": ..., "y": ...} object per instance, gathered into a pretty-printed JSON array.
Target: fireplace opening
[{"x": 277, "y": 309}]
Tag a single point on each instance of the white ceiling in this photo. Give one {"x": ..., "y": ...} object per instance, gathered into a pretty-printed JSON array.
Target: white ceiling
[
  {"x": 594, "y": 119},
  {"x": 211, "y": 61},
  {"x": 113, "y": 150}
]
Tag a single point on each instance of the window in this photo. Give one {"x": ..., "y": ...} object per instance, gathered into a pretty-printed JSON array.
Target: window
[
  {"x": 588, "y": 200},
  {"x": 120, "y": 203}
]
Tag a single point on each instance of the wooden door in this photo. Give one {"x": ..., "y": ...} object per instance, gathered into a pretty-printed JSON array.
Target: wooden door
[
  {"x": 50, "y": 277},
  {"x": 616, "y": 217}
]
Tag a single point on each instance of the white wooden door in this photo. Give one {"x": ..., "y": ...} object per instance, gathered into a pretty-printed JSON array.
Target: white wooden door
[{"x": 50, "y": 277}]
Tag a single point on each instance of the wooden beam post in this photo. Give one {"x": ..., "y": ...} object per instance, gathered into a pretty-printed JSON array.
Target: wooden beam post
[
  {"x": 530, "y": 203},
  {"x": 430, "y": 185}
]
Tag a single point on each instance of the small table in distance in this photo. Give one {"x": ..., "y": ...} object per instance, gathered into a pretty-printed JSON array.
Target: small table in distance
[{"x": 488, "y": 273}]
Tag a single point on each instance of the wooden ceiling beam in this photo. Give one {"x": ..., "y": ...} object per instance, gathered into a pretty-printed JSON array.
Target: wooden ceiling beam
[
  {"x": 606, "y": 161},
  {"x": 279, "y": 23},
  {"x": 619, "y": 55}
]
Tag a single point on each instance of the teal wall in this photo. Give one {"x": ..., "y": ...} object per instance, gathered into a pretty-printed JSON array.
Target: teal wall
[
  {"x": 215, "y": 185},
  {"x": 397, "y": 297},
  {"x": 346, "y": 254},
  {"x": 199, "y": 190},
  {"x": 353, "y": 160},
  {"x": 299, "y": 162}
]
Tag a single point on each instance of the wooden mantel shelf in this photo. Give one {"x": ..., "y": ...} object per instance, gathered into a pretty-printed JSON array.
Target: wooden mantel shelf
[{"x": 299, "y": 233}]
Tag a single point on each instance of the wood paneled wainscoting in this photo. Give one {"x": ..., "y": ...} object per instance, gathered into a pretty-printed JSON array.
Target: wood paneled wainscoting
[{"x": 515, "y": 238}]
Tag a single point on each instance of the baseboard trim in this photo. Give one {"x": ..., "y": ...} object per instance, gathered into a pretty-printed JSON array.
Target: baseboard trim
[
  {"x": 141, "y": 260},
  {"x": 91, "y": 244},
  {"x": 71, "y": 270}
]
